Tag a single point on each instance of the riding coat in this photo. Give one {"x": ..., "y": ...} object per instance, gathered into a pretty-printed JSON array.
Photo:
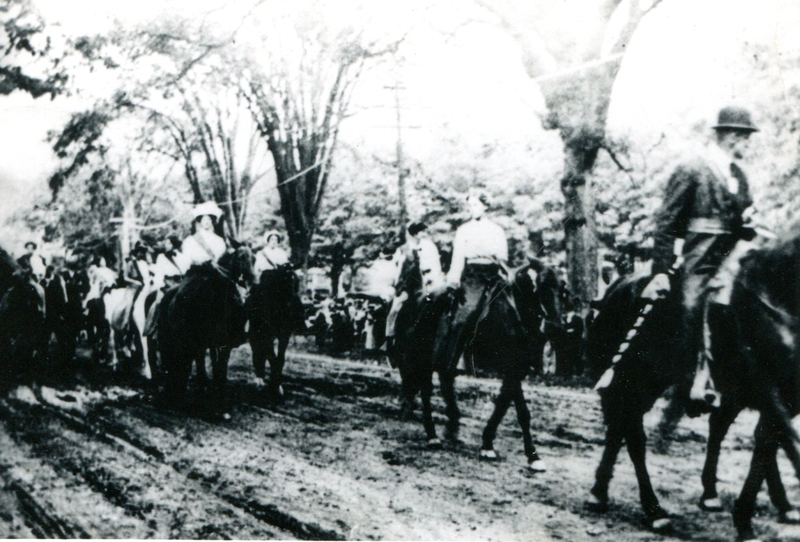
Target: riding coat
[
  {"x": 200, "y": 247},
  {"x": 704, "y": 204}
]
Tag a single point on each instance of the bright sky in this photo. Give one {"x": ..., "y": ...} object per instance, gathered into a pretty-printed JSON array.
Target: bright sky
[{"x": 679, "y": 69}]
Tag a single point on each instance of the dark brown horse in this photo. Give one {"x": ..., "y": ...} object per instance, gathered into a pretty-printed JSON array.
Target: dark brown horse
[
  {"x": 758, "y": 364},
  {"x": 23, "y": 340},
  {"x": 204, "y": 312},
  {"x": 511, "y": 345},
  {"x": 275, "y": 312},
  {"x": 755, "y": 365}
]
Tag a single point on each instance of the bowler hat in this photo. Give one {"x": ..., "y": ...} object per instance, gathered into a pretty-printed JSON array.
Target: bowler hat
[{"x": 735, "y": 118}]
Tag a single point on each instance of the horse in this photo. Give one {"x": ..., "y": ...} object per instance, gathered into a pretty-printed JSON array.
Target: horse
[
  {"x": 275, "y": 311},
  {"x": 116, "y": 319},
  {"x": 64, "y": 314},
  {"x": 648, "y": 367},
  {"x": 758, "y": 364},
  {"x": 515, "y": 346},
  {"x": 23, "y": 337},
  {"x": 205, "y": 311}
]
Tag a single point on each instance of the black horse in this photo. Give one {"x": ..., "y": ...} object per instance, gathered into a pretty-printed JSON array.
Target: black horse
[
  {"x": 64, "y": 294},
  {"x": 23, "y": 339},
  {"x": 651, "y": 364},
  {"x": 648, "y": 367},
  {"x": 275, "y": 311},
  {"x": 513, "y": 345},
  {"x": 758, "y": 365},
  {"x": 204, "y": 312}
]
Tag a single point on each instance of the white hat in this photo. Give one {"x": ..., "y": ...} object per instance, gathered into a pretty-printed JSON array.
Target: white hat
[{"x": 209, "y": 208}]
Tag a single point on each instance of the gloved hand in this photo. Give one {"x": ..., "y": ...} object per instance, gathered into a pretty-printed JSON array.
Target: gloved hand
[{"x": 658, "y": 288}]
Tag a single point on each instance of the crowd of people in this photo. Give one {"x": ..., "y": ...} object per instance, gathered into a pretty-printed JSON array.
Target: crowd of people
[{"x": 699, "y": 230}]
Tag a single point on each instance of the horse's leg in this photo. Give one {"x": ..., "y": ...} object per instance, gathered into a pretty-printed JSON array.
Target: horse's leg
[
  {"x": 605, "y": 470},
  {"x": 787, "y": 443},
  {"x": 426, "y": 391},
  {"x": 276, "y": 365},
  {"x": 501, "y": 404},
  {"x": 719, "y": 422},
  {"x": 259, "y": 358},
  {"x": 219, "y": 360},
  {"x": 535, "y": 463},
  {"x": 447, "y": 378},
  {"x": 775, "y": 488},
  {"x": 637, "y": 448},
  {"x": 766, "y": 445}
]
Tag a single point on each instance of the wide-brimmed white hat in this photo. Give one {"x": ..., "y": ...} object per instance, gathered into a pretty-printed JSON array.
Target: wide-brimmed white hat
[
  {"x": 270, "y": 233},
  {"x": 209, "y": 208}
]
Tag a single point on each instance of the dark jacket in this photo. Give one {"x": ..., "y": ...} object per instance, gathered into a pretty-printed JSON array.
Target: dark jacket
[{"x": 694, "y": 191}]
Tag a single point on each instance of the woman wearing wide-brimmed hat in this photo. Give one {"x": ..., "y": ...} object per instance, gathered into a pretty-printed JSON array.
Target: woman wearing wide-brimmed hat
[{"x": 204, "y": 244}]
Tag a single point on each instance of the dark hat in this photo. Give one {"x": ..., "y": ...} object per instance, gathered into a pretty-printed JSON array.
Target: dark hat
[
  {"x": 416, "y": 227},
  {"x": 735, "y": 118},
  {"x": 276, "y": 233}
]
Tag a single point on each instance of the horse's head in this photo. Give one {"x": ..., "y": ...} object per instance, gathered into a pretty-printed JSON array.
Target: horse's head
[
  {"x": 410, "y": 279},
  {"x": 238, "y": 264},
  {"x": 537, "y": 293}
]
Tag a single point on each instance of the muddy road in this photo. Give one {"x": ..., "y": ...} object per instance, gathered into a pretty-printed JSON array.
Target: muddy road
[{"x": 335, "y": 461}]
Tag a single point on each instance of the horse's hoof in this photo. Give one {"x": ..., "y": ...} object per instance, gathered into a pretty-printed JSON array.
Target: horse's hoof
[
  {"x": 791, "y": 517},
  {"x": 259, "y": 382},
  {"x": 661, "y": 524},
  {"x": 488, "y": 455},
  {"x": 537, "y": 464},
  {"x": 434, "y": 443},
  {"x": 593, "y": 504},
  {"x": 711, "y": 505}
]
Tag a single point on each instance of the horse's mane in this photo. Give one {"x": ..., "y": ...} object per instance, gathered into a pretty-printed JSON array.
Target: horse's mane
[{"x": 774, "y": 271}]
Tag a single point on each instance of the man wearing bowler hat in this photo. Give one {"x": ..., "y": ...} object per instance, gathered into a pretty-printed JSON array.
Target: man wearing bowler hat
[{"x": 701, "y": 228}]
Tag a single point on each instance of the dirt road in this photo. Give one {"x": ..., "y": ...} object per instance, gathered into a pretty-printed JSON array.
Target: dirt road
[{"x": 336, "y": 461}]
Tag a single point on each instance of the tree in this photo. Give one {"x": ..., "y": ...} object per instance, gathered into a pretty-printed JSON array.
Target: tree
[
  {"x": 26, "y": 52},
  {"x": 576, "y": 74},
  {"x": 299, "y": 83},
  {"x": 175, "y": 94}
]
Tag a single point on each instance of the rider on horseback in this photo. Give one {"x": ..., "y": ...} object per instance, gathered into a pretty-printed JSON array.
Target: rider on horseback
[
  {"x": 420, "y": 247},
  {"x": 478, "y": 271},
  {"x": 204, "y": 244},
  {"x": 701, "y": 221},
  {"x": 272, "y": 256}
]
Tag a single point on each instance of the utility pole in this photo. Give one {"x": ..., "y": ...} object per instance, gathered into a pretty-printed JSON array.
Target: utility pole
[{"x": 402, "y": 171}]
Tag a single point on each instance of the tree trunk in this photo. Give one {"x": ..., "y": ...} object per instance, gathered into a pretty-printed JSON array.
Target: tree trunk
[{"x": 578, "y": 105}]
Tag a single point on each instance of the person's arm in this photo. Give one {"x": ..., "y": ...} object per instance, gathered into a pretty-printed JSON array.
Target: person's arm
[
  {"x": 502, "y": 245},
  {"x": 457, "y": 262},
  {"x": 672, "y": 219}
]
